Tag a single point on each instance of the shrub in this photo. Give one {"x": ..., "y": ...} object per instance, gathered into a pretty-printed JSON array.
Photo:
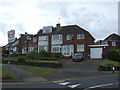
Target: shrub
[
  {"x": 58, "y": 55},
  {"x": 32, "y": 55},
  {"x": 114, "y": 55},
  {"x": 21, "y": 59},
  {"x": 43, "y": 53},
  {"x": 15, "y": 54}
]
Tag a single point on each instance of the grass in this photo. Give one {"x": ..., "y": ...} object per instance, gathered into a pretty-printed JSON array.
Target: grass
[
  {"x": 4, "y": 73},
  {"x": 107, "y": 62},
  {"x": 11, "y": 58},
  {"x": 44, "y": 61},
  {"x": 41, "y": 71}
]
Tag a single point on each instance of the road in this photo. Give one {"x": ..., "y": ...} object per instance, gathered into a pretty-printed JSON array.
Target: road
[{"x": 86, "y": 83}]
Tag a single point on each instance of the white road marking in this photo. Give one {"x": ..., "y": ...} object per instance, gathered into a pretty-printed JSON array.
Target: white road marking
[
  {"x": 64, "y": 83},
  {"x": 73, "y": 86},
  {"x": 100, "y": 86}
]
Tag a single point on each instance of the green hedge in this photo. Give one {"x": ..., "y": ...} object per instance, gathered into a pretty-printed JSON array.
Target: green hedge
[{"x": 114, "y": 54}]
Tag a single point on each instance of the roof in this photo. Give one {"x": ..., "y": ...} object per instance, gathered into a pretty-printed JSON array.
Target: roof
[
  {"x": 112, "y": 37},
  {"x": 70, "y": 29}
]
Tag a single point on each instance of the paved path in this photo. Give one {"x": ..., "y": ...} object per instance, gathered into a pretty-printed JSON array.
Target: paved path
[{"x": 24, "y": 76}]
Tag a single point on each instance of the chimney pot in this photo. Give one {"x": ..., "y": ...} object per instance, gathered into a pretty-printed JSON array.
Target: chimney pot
[{"x": 58, "y": 25}]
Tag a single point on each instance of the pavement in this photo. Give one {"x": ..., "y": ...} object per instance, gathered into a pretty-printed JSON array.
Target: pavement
[
  {"x": 24, "y": 76},
  {"x": 70, "y": 70}
]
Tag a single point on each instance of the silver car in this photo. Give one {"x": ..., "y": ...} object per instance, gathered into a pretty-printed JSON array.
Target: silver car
[{"x": 77, "y": 57}]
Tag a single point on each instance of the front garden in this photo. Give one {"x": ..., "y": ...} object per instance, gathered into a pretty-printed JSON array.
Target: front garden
[
  {"x": 41, "y": 59},
  {"x": 114, "y": 60}
]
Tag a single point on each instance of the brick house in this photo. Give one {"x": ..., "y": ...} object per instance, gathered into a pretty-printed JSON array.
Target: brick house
[
  {"x": 65, "y": 39},
  {"x": 24, "y": 42},
  {"x": 32, "y": 46},
  {"x": 102, "y": 47}
]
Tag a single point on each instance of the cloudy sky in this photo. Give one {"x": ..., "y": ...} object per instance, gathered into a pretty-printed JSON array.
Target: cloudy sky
[{"x": 99, "y": 18}]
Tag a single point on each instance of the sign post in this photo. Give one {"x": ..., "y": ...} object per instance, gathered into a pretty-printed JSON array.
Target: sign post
[{"x": 11, "y": 38}]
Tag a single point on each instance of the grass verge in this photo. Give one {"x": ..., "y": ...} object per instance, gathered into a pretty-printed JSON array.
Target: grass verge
[
  {"x": 107, "y": 62},
  {"x": 41, "y": 71},
  {"x": 4, "y": 73}
]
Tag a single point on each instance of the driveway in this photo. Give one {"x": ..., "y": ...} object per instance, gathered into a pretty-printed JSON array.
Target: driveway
[{"x": 72, "y": 69}]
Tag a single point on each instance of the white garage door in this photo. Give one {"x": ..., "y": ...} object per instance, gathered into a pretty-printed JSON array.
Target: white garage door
[{"x": 95, "y": 52}]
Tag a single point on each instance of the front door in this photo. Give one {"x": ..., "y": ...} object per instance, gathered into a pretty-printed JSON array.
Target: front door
[{"x": 67, "y": 50}]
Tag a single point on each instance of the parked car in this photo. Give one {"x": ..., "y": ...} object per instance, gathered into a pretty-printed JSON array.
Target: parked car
[{"x": 77, "y": 57}]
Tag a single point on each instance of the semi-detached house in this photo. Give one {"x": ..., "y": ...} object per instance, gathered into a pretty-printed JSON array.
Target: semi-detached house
[{"x": 64, "y": 39}]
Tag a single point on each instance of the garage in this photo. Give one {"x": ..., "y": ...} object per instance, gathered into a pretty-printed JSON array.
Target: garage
[{"x": 96, "y": 53}]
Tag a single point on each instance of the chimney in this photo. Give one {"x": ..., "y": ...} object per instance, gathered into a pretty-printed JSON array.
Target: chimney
[{"x": 58, "y": 25}]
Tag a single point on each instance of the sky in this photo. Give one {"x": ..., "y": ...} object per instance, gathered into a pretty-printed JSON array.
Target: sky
[{"x": 99, "y": 18}]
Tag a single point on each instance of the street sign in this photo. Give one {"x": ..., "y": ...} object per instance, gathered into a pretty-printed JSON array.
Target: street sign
[{"x": 11, "y": 36}]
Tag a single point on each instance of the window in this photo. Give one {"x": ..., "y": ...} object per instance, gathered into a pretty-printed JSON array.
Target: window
[
  {"x": 80, "y": 36},
  {"x": 69, "y": 37},
  {"x": 56, "y": 37},
  {"x": 56, "y": 49},
  {"x": 113, "y": 43},
  {"x": 43, "y": 38},
  {"x": 104, "y": 43},
  {"x": 47, "y": 29},
  {"x": 34, "y": 39},
  {"x": 43, "y": 48},
  {"x": 80, "y": 48}
]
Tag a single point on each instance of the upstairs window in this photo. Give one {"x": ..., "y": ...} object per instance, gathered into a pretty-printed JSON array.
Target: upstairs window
[
  {"x": 34, "y": 39},
  {"x": 69, "y": 37},
  {"x": 80, "y": 36},
  {"x": 57, "y": 37},
  {"x": 43, "y": 38},
  {"x": 104, "y": 43},
  {"x": 47, "y": 29},
  {"x": 113, "y": 43}
]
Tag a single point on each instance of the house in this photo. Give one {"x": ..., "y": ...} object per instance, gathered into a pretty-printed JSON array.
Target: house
[
  {"x": 32, "y": 46},
  {"x": 65, "y": 39},
  {"x": 24, "y": 42},
  {"x": 102, "y": 47}
]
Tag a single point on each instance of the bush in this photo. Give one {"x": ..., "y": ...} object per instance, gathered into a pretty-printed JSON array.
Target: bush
[
  {"x": 114, "y": 55},
  {"x": 43, "y": 53},
  {"x": 21, "y": 59},
  {"x": 58, "y": 55},
  {"x": 32, "y": 55},
  {"x": 15, "y": 54}
]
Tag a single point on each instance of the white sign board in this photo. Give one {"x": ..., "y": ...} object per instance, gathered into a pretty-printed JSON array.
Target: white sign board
[{"x": 11, "y": 36}]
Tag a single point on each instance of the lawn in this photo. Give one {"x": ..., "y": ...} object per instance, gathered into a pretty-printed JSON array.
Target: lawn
[
  {"x": 107, "y": 62},
  {"x": 4, "y": 73},
  {"x": 44, "y": 61},
  {"x": 41, "y": 71}
]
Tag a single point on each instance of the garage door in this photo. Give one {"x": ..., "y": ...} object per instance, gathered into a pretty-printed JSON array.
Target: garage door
[{"x": 95, "y": 52}]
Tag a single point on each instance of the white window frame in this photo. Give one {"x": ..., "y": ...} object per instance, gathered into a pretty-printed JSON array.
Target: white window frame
[
  {"x": 43, "y": 38},
  {"x": 105, "y": 43},
  {"x": 45, "y": 47},
  {"x": 80, "y": 48},
  {"x": 69, "y": 37},
  {"x": 57, "y": 37},
  {"x": 79, "y": 36},
  {"x": 113, "y": 43},
  {"x": 56, "y": 49}
]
